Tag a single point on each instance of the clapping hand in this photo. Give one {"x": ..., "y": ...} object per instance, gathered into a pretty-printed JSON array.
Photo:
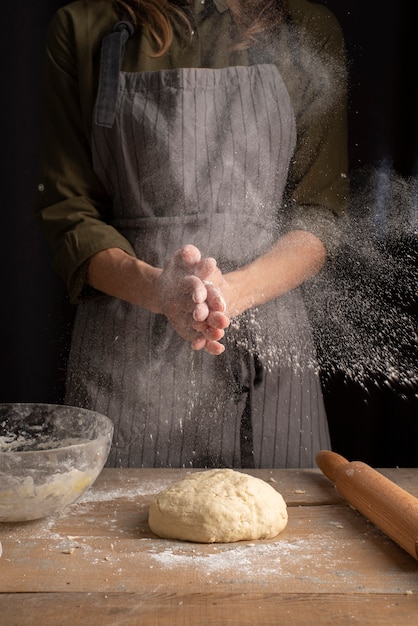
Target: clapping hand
[{"x": 192, "y": 301}]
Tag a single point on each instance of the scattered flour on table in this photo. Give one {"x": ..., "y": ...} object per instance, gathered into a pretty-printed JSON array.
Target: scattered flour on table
[
  {"x": 138, "y": 489},
  {"x": 259, "y": 560},
  {"x": 244, "y": 558}
]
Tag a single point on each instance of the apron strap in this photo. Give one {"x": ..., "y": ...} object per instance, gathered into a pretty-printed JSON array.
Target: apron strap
[{"x": 110, "y": 63}]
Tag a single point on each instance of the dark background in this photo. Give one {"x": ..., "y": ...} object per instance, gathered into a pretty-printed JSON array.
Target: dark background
[{"x": 372, "y": 420}]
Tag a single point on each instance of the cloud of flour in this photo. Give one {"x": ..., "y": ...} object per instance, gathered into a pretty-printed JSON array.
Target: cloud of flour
[{"x": 364, "y": 305}]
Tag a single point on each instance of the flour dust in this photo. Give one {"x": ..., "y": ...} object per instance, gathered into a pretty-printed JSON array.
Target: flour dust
[{"x": 363, "y": 305}]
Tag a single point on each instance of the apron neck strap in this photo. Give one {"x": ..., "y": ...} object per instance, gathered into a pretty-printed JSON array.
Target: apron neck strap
[{"x": 111, "y": 57}]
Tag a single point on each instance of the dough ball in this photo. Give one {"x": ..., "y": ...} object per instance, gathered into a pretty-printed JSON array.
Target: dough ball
[{"x": 220, "y": 505}]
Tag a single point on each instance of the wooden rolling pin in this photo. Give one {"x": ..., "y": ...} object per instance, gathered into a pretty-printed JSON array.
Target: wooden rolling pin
[{"x": 390, "y": 508}]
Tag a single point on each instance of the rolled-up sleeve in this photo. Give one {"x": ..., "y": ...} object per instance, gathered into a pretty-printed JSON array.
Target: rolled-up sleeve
[
  {"x": 317, "y": 189},
  {"x": 72, "y": 208}
]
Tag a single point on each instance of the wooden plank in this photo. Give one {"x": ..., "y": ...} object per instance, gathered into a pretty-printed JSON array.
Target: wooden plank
[
  {"x": 208, "y": 609},
  {"x": 108, "y": 546},
  {"x": 298, "y": 487}
]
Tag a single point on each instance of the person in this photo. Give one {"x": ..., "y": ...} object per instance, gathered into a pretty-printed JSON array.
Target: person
[{"x": 193, "y": 176}]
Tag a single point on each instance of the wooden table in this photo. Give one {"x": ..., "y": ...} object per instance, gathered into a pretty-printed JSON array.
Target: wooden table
[{"x": 97, "y": 563}]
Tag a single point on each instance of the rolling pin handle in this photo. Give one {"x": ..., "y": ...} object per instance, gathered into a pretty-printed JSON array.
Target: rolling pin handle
[{"x": 329, "y": 462}]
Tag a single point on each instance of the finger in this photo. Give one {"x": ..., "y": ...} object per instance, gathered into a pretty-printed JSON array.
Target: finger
[
  {"x": 211, "y": 347},
  {"x": 199, "y": 343},
  {"x": 214, "y": 348},
  {"x": 216, "y": 319},
  {"x": 209, "y": 332},
  {"x": 213, "y": 334},
  {"x": 196, "y": 288},
  {"x": 201, "y": 312},
  {"x": 205, "y": 268},
  {"x": 188, "y": 256},
  {"x": 215, "y": 298}
]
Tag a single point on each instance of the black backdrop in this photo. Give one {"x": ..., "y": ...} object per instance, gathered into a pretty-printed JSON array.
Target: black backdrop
[{"x": 378, "y": 424}]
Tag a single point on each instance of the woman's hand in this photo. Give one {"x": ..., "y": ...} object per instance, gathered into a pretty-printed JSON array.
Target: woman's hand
[{"x": 190, "y": 300}]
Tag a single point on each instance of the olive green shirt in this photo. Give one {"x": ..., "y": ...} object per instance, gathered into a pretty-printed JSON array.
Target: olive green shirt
[{"x": 72, "y": 207}]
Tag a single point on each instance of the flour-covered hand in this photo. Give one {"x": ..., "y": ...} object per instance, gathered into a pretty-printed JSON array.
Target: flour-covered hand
[{"x": 183, "y": 297}]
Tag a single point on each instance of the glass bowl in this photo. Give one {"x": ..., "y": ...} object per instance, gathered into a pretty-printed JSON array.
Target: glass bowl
[{"x": 49, "y": 456}]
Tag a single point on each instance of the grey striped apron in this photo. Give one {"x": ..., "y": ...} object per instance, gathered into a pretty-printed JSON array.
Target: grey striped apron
[{"x": 197, "y": 156}]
